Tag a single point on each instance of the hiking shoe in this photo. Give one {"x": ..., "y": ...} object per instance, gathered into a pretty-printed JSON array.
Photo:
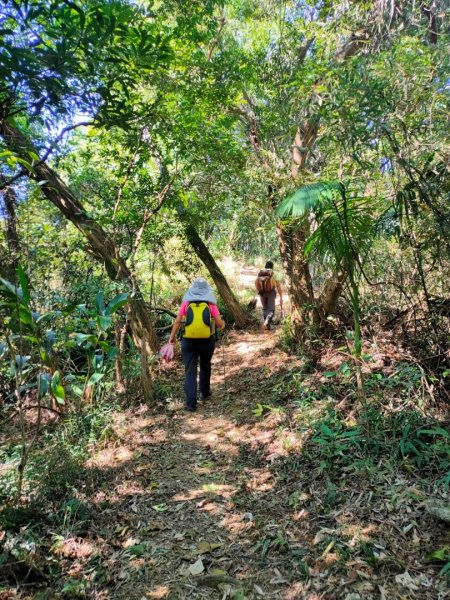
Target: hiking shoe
[
  {"x": 267, "y": 326},
  {"x": 191, "y": 408},
  {"x": 205, "y": 396}
]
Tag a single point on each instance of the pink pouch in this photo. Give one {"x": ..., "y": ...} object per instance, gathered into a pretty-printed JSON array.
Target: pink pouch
[{"x": 167, "y": 352}]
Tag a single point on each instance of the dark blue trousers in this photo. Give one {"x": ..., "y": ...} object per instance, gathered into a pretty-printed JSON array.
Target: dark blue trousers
[{"x": 192, "y": 350}]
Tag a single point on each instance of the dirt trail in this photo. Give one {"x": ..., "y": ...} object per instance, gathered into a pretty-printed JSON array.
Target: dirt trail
[
  {"x": 185, "y": 497},
  {"x": 183, "y": 500},
  {"x": 223, "y": 503},
  {"x": 187, "y": 510}
]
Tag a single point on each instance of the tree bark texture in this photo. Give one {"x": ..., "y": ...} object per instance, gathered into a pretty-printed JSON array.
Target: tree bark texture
[
  {"x": 100, "y": 243},
  {"x": 12, "y": 237},
  {"x": 331, "y": 292},
  {"x": 217, "y": 276},
  {"x": 120, "y": 333},
  {"x": 291, "y": 240}
]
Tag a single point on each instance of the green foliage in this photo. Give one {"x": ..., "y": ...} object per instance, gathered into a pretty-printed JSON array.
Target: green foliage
[
  {"x": 309, "y": 197},
  {"x": 407, "y": 438},
  {"x": 55, "y": 468},
  {"x": 12, "y": 518},
  {"x": 50, "y": 339}
]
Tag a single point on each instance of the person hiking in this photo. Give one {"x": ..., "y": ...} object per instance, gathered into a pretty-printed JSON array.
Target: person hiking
[
  {"x": 200, "y": 318},
  {"x": 267, "y": 285}
]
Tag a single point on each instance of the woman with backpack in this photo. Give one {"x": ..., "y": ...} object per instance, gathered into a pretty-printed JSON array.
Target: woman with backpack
[
  {"x": 200, "y": 318},
  {"x": 267, "y": 285}
]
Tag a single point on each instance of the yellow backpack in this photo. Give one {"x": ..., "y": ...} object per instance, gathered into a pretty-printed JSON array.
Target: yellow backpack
[{"x": 198, "y": 323}]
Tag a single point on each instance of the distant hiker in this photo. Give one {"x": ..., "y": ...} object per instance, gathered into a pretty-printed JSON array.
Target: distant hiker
[
  {"x": 267, "y": 285},
  {"x": 199, "y": 318}
]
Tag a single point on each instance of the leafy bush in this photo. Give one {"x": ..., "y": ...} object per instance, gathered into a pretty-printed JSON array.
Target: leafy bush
[
  {"x": 68, "y": 349},
  {"x": 407, "y": 438}
]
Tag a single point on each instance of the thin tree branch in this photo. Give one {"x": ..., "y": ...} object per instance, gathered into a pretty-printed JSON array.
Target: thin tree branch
[
  {"x": 149, "y": 213},
  {"x": 127, "y": 174}
]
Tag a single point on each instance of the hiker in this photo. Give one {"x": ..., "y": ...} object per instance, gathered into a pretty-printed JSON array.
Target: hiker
[
  {"x": 267, "y": 285},
  {"x": 200, "y": 318}
]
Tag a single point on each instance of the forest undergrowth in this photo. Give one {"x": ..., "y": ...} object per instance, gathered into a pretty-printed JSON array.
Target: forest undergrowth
[{"x": 281, "y": 486}]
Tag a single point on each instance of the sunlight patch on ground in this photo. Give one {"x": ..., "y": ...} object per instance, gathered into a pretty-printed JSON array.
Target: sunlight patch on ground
[
  {"x": 211, "y": 432},
  {"x": 111, "y": 457},
  {"x": 358, "y": 533},
  {"x": 259, "y": 481},
  {"x": 217, "y": 489},
  {"x": 74, "y": 548},
  {"x": 158, "y": 593},
  {"x": 236, "y": 524},
  {"x": 296, "y": 591}
]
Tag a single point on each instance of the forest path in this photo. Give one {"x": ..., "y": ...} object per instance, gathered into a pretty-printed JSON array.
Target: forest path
[
  {"x": 229, "y": 502},
  {"x": 188, "y": 503}
]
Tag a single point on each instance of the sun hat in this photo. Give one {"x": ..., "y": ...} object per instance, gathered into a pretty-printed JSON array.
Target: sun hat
[{"x": 200, "y": 291}]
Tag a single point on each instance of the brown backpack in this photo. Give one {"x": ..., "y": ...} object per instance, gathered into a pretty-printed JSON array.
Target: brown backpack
[{"x": 265, "y": 281}]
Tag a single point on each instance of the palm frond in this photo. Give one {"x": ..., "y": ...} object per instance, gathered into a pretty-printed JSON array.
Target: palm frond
[
  {"x": 339, "y": 236},
  {"x": 308, "y": 197}
]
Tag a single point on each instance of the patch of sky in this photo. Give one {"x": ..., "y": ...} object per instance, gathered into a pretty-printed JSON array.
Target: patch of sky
[
  {"x": 302, "y": 9},
  {"x": 386, "y": 165}
]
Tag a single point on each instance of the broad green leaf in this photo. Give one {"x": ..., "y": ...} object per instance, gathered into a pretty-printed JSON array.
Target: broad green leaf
[
  {"x": 104, "y": 322},
  {"x": 307, "y": 198},
  {"x": 100, "y": 303},
  {"x": 44, "y": 382},
  {"x": 22, "y": 361},
  {"x": 326, "y": 430},
  {"x": 116, "y": 303},
  {"x": 95, "y": 378},
  {"x": 435, "y": 431},
  {"x": 84, "y": 338},
  {"x": 137, "y": 550},
  {"x": 25, "y": 315},
  {"x": 258, "y": 410},
  {"x": 57, "y": 388},
  {"x": 11, "y": 290},
  {"x": 99, "y": 360},
  {"x": 441, "y": 554}
]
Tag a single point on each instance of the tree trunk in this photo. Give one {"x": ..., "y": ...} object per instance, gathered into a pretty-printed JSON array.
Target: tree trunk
[
  {"x": 12, "y": 237},
  {"x": 121, "y": 332},
  {"x": 331, "y": 292},
  {"x": 100, "y": 243},
  {"x": 217, "y": 276},
  {"x": 291, "y": 241}
]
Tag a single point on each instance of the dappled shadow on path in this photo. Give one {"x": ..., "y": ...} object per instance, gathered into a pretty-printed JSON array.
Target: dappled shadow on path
[{"x": 202, "y": 505}]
